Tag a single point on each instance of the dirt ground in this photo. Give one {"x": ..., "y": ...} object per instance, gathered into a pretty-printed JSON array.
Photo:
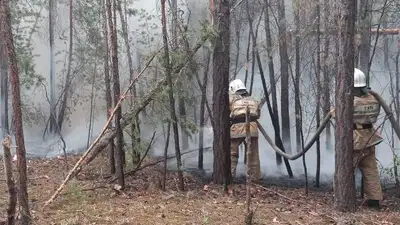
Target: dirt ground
[{"x": 87, "y": 200}]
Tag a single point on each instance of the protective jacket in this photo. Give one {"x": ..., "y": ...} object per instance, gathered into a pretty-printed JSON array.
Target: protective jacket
[
  {"x": 366, "y": 112},
  {"x": 365, "y": 137},
  {"x": 237, "y": 106}
]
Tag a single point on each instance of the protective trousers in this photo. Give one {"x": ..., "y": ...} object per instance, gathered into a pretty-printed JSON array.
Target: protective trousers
[
  {"x": 365, "y": 160},
  {"x": 254, "y": 159}
]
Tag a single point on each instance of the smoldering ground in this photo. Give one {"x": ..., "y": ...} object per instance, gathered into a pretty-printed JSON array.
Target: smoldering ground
[{"x": 76, "y": 134}]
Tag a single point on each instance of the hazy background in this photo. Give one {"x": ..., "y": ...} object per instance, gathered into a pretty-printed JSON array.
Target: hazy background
[{"x": 76, "y": 132}]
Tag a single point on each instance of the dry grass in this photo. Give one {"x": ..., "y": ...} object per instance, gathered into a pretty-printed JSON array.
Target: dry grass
[{"x": 88, "y": 201}]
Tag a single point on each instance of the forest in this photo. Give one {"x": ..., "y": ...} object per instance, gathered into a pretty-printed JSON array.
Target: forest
[{"x": 117, "y": 111}]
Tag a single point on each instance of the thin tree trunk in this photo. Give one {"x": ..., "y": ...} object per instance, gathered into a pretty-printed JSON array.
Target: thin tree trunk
[
  {"x": 318, "y": 97},
  {"x": 397, "y": 101},
  {"x": 7, "y": 35},
  {"x": 385, "y": 42},
  {"x": 168, "y": 69},
  {"x": 275, "y": 118},
  {"x": 221, "y": 62},
  {"x": 365, "y": 27},
  {"x": 164, "y": 181},
  {"x": 254, "y": 46},
  {"x": 66, "y": 91},
  {"x": 344, "y": 181},
  {"x": 12, "y": 190},
  {"x": 249, "y": 213},
  {"x": 275, "y": 122},
  {"x": 237, "y": 32},
  {"x": 135, "y": 124},
  {"x": 284, "y": 76},
  {"x": 4, "y": 89},
  {"x": 247, "y": 59},
  {"x": 53, "y": 120},
  {"x": 107, "y": 81},
  {"x": 92, "y": 105},
  {"x": 326, "y": 82},
  {"x": 297, "y": 76},
  {"x": 202, "y": 109},
  {"x": 116, "y": 89}
]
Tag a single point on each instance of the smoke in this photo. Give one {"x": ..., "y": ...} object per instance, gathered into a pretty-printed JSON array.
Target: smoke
[{"x": 75, "y": 133}]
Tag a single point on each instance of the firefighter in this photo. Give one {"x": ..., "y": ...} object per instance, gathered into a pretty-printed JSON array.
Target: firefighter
[
  {"x": 366, "y": 112},
  {"x": 365, "y": 137},
  {"x": 239, "y": 100}
]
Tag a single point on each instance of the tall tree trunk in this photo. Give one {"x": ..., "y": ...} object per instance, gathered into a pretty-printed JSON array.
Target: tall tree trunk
[
  {"x": 135, "y": 124},
  {"x": 326, "y": 82},
  {"x": 202, "y": 108},
  {"x": 253, "y": 32},
  {"x": 221, "y": 62},
  {"x": 4, "y": 89},
  {"x": 53, "y": 120},
  {"x": 275, "y": 122},
  {"x": 181, "y": 98},
  {"x": 238, "y": 29},
  {"x": 365, "y": 27},
  {"x": 247, "y": 59},
  {"x": 385, "y": 42},
  {"x": 116, "y": 90},
  {"x": 66, "y": 91},
  {"x": 274, "y": 100},
  {"x": 284, "y": 76},
  {"x": 297, "y": 76},
  {"x": 168, "y": 70},
  {"x": 5, "y": 19},
  {"x": 344, "y": 184},
  {"x": 318, "y": 97},
  {"x": 107, "y": 81}
]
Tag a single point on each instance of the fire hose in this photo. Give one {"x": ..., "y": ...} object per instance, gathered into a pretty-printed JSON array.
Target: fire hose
[{"x": 326, "y": 120}]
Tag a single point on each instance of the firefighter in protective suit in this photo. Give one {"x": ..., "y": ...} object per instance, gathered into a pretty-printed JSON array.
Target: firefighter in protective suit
[
  {"x": 239, "y": 100},
  {"x": 365, "y": 137}
]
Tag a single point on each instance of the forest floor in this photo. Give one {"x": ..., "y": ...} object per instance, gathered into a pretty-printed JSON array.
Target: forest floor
[{"x": 87, "y": 200}]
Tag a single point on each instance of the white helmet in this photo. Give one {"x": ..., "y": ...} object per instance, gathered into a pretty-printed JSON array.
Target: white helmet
[
  {"x": 236, "y": 85},
  {"x": 360, "y": 80}
]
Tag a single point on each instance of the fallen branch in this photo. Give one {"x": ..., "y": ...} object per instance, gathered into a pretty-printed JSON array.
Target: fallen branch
[
  {"x": 12, "y": 191},
  {"x": 107, "y": 134},
  {"x": 275, "y": 192}
]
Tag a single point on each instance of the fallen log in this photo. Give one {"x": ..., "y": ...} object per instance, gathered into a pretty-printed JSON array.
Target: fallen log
[{"x": 107, "y": 133}]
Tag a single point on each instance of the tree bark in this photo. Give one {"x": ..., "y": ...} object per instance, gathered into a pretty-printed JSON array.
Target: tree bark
[
  {"x": 66, "y": 91},
  {"x": 202, "y": 109},
  {"x": 53, "y": 120},
  {"x": 327, "y": 72},
  {"x": 135, "y": 134},
  {"x": 318, "y": 97},
  {"x": 107, "y": 81},
  {"x": 275, "y": 114},
  {"x": 4, "y": 89},
  {"x": 116, "y": 91},
  {"x": 6, "y": 32},
  {"x": 297, "y": 76},
  {"x": 221, "y": 62},
  {"x": 284, "y": 76},
  {"x": 344, "y": 181},
  {"x": 365, "y": 20},
  {"x": 168, "y": 72},
  {"x": 12, "y": 190}
]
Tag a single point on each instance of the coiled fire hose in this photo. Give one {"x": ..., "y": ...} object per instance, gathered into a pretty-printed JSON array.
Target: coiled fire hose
[{"x": 326, "y": 120}]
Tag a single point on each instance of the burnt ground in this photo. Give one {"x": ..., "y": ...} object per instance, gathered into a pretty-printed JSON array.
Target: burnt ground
[{"x": 88, "y": 200}]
